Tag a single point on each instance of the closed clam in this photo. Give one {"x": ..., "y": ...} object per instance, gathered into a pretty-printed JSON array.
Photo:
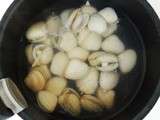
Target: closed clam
[
  {"x": 89, "y": 83},
  {"x": 107, "y": 97},
  {"x": 91, "y": 103},
  {"x": 109, "y": 14},
  {"x": 42, "y": 54},
  {"x": 56, "y": 85},
  {"x": 69, "y": 101},
  {"x": 97, "y": 24},
  {"x": 67, "y": 41},
  {"x": 103, "y": 61},
  {"x": 108, "y": 80},
  {"x": 127, "y": 60},
  {"x": 87, "y": 8},
  {"x": 59, "y": 63},
  {"x": 112, "y": 28},
  {"x": 89, "y": 40},
  {"x": 37, "y": 78},
  {"x": 78, "y": 53},
  {"x": 36, "y": 31},
  {"x": 53, "y": 25},
  {"x": 113, "y": 44},
  {"x": 47, "y": 101},
  {"x": 76, "y": 69}
]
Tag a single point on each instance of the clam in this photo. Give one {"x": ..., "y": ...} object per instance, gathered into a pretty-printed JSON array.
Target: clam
[
  {"x": 29, "y": 55},
  {"x": 108, "y": 80},
  {"x": 53, "y": 25},
  {"x": 87, "y": 8},
  {"x": 127, "y": 60},
  {"x": 113, "y": 44},
  {"x": 111, "y": 29},
  {"x": 56, "y": 85},
  {"x": 42, "y": 54},
  {"x": 91, "y": 103},
  {"x": 78, "y": 53},
  {"x": 67, "y": 41},
  {"x": 109, "y": 14},
  {"x": 97, "y": 24},
  {"x": 89, "y": 83},
  {"x": 107, "y": 97},
  {"x": 65, "y": 15},
  {"x": 80, "y": 22},
  {"x": 47, "y": 101},
  {"x": 76, "y": 69},
  {"x": 59, "y": 63},
  {"x": 69, "y": 101},
  {"x": 37, "y": 77},
  {"x": 103, "y": 61},
  {"x": 36, "y": 31},
  {"x": 89, "y": 40}
]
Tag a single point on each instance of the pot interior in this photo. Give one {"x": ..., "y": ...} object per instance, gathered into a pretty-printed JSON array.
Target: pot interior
[{"x": 136, "y": 29}]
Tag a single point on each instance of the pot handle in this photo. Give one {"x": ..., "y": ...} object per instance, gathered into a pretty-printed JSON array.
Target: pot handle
[{"x": 11, "y": 96}]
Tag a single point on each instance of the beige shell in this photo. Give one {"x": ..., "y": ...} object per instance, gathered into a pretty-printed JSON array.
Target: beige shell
[
  {"x": 65, "y": 15},
  {"x": 107, "y": 97},
  {"x": 78, "y": 53},
  {"x": 69, "y": 101},
  {"x": 89, "y": 83},
  {"x": 112, "y": 28},
  {"x": 127, "y": 60},
  {"x": 56, "y": 85},
  {"x": 103, "y": 61},
  {"x": 113, "y": 44},
  {"x": 108, "y": 80},
  {"x": 109, "y": 14},
  {"x": 91, "y": 103},
  {"x": 59, "y": 63},
  {"x": 67, "y": 41},
  {"x": 36, "y": 31},
  {"x": 87, "y": 8},
  {"x": 53, "y": 25},
  {"x": 37, "y": 78},
  {"x": 97, "y": 24},
  {"x": 89, "y": 40},
  {"x": 42, "y": 54},
  {"x": 29, "y": 55},
  {"x": 76, "y": 69},
  {"x": 47, "y": 101}
]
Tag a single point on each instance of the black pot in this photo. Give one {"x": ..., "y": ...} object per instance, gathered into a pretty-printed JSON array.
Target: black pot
[{"x": 13, "y": 62}]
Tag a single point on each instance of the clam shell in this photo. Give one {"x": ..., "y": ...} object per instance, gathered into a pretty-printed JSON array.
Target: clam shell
[
  {"x": 56, "y": 85},
  {"x": 67, "y": 41},
  {"x": 87, "y": 8},
  {"x": 69, "y": 101},
  {"x": 108, "y": 80},
  {"x": 127, "y": 60},
  {"x": 28, "y": 51},
  {"x": 76, "y": 69},
  {"x": 53, "y": 25},
  {"x": 47, "y": 101},
  {"x": 109, "y": 14},
  {"x": 35, "y": 81},
  {"x": 103, "y": 61},
  {"x": 36, "y": 31},
  {"x": 78, "y": 53},
  {"x": 59, "y": 63},
  {"x": 91, "y": 103},
  {"x": 42, "y": 54},
  {"x": 113, "y": 44},
  {"x": 90, "y": 41},
  {"x": 97, "y": 24},
  {"x": 65, "y": 15},
  {"x": 89, "y": 83},
  {"x": 107, "y": 97}
]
